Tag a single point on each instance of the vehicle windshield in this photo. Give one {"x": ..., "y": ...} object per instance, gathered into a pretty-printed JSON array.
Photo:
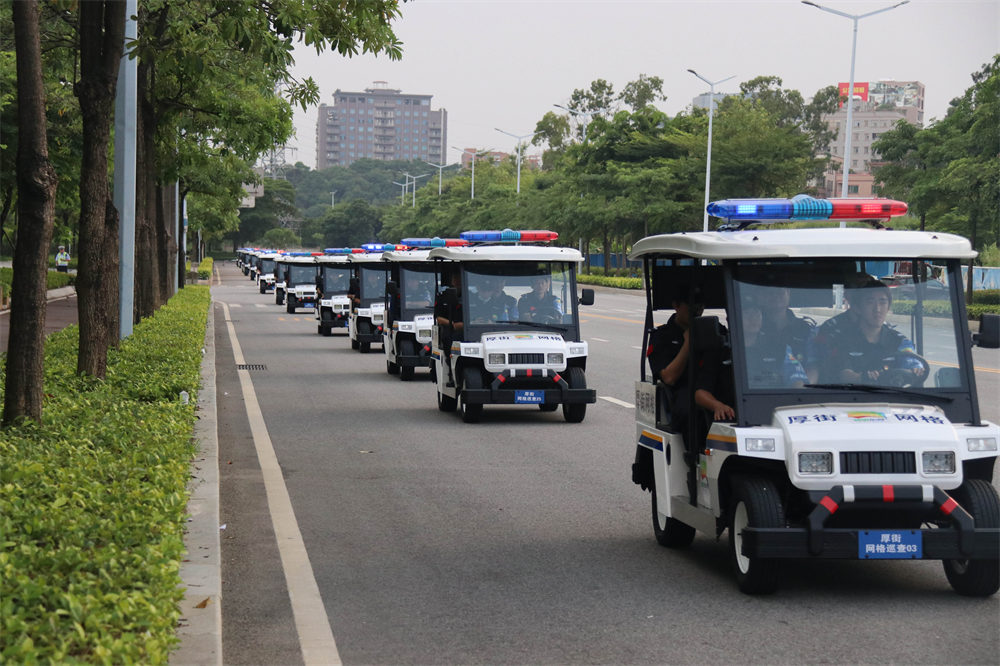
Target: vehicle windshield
[
  {"x": 524, "y": 294},
  {"x": 267, "y": 265},
  {"x": 839, "y": 324},
  {"x": 372, "y": 282},
  {"x": 296, "y": 274},
  {"x": 416, "y": 288},
  {"x": 336, "y": 279}
]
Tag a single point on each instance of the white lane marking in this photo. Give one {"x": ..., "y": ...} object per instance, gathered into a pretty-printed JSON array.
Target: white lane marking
[
  {"x": 636, "y": 347},
  {"x": 315, "y": 636},
  {"x": 600, "y": 339},
  {"x": 616, "y": 401}
]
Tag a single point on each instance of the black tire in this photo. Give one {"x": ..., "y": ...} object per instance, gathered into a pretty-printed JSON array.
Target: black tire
[
  {"x": 548, "y": 406},
  {"x": 672, "y": 534},
  {"x": 577, "y": 379},
  {"x": 279, "y": 297},
  {"x": 471, "y": 379},
  {"x": 391, "y": 368},
  {"x": 325, "y": 322},
  {"x": 263, "y": 287},
  {"x": 446, "y": 403},
  {"x": 355, "y": 344},
  {"x": 755, "y": 503},
  {"x": 976, "y": 578},
  {"x": 364, "y": 347},
  {"x": 406, "y": 349},
  {"x": 290, "y": 305}
]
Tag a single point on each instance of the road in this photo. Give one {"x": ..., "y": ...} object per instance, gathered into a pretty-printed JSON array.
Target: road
[{"x": 517, "y": 540}]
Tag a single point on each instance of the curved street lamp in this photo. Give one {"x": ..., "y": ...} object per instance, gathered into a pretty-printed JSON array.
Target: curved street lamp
[
  {"x": 585, "y": 114},
  {"x": 517, "y": 147},
  {"x": 474, "y": 154},
  {"x": 708, "y": 160}
]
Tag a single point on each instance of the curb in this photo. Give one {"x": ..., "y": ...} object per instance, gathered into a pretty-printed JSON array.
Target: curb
[{"x": 200, "y": 626}]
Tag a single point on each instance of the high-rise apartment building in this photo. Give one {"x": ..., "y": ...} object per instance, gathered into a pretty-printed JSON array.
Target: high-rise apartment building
[{"x": 380, "y": 123}]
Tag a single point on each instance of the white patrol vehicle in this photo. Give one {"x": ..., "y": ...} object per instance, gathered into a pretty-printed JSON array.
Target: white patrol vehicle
[
  {"x": 486, "y": 351},
  {"x": 300, "y": 280},
  {"x": 333, "y": 281},
  {"x": 279, "y": 280},
  {"x": 265, "y": 271},
  {"x": 857, "y": 432},
  {"x": 409, "y": 311},
  {"x": 368, "y": 293}
]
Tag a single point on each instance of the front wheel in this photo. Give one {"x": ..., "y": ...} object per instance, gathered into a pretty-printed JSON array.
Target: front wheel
[
  {"x": 575, "y": 412},
  {"x": 471, "y": 379},
  {"x": 290, "y": 305},
  {"x": 446, "y": 403},
  {"x": 976, "y": 578},
  {"x": 263, "y": 287},
  {"x": 406, "y": 349},
  {"x": 279, "y": 297},
  {"x": 756, "y": 503}
]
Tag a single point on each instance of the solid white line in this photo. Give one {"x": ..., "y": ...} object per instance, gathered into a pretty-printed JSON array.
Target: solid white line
[
  {"x": 600, "y": 339},
  {"x": 616, "y": 401},
  {"x": 315, "y": 636}
]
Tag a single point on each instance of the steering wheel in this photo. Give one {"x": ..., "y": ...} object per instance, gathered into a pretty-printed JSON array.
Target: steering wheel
[
  {"x": 897, "y": 374},
  {"x": 546, "y": 315}
]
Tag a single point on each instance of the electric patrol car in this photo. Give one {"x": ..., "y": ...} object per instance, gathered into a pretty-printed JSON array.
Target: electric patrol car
[
  {"x": 409, "y": 308},
  {"x": 892, "y": 462},
  {"x": 485, "y": 351},
  {"x": 299, "y": 271},
  {"x": 265, "y": 270},
  {"x": 333, "y": 281},
  {"x": 367, "y": 315}
]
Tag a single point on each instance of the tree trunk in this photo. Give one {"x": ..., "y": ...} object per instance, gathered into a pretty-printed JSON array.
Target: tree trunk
[
  {"x": 607, "y": 252},
  {"x": 36, "y": 191},
  {"x": 166, "y": 244},
  {"x": 102, "y": 31},
  {"x": 145, "y": 201}
]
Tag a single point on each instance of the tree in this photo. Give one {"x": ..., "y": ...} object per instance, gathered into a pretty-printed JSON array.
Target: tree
[
  {"x": 102, "y": 32},
  {"x": 281, "y": 239},
  {"x": 351, "y": 225},
  {"x": 272, "y": 210},
  {"x": 36, "y": 184},
  {"x": 644, "y": 91}
]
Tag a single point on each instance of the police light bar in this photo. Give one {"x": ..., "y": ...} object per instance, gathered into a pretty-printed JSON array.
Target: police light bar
[
  {"x": 804, "y": 207},
  {"x": 299, "y": 254},
  {"x": 337, "y": 250},
  {"x": 381, "y": 247},
  {"x": 434, "y": 242},
  {"x": 508, "y": 236}
]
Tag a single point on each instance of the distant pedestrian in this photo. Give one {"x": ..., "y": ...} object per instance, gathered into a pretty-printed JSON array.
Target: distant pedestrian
[{"x": 62, "y": 260}]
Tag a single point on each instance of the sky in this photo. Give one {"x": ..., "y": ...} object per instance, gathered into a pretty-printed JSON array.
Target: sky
[{"x": 504, "y": 63}]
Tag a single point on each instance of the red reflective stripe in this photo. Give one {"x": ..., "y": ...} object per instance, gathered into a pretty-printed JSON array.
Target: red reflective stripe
[
  {"x": 830, "y": 505},
  {"x": 649, "y": 350},
  {"x": 501, "y": 378},
  {"x": 556, "y": 378},
  {"x": 888, "y": 494},
  {"x": 529, "y": 372},
  {"x": 949, "y": 506}
]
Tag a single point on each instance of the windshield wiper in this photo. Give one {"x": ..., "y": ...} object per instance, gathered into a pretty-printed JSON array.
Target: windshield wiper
[
  {"x": 533, "y": 324},
  {"x": 869, "y": 388}
]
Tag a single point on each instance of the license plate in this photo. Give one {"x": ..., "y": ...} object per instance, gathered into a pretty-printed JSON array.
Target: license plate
[
  {"x": 529, "y": 397},
  {"x": 890, "y": 545}
]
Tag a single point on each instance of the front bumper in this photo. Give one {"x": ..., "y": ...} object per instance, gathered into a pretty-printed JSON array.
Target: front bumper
[
  {"x": 506, "y": 387},
  {"x": 960, "y": 540}
]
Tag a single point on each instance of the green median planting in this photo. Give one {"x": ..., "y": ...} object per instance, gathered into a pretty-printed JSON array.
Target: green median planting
[{"x": 93, "y": 500}]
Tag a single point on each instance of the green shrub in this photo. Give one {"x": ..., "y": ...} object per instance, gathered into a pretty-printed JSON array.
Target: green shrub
[
  {"x": 205, "y": 269},
  {"x": 943, "y": 308},
  {"x": 986, "y": 297},
  {"x": 93, "y": 500},
  {"x": 53, "y": 279},
  {"x": 606, "y": 281}
]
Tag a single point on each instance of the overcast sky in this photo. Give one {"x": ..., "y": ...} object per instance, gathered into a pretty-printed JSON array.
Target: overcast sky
[{"x": 504, "y": 63}]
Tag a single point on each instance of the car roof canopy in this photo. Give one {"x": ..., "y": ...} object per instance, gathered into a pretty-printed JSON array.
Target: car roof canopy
[{"x": 507, "y": 253}]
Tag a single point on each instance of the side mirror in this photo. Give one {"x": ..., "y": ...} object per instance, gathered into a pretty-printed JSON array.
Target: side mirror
[
  {"x": 587, "y": 297},
  {"x": 706, "y": 334},
  {"x": 989, "y": 332}
]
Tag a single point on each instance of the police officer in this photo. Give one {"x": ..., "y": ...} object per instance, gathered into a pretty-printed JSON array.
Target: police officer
[
  {"x": 538, "y": 305},
  {"x": 62, "y": 260}
]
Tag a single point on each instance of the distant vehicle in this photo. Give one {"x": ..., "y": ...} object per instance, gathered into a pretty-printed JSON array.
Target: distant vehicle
[
  {"x": 409, "y": 311},
  {"x": 265, "y": 271},
  {"x": 300, "y": 280},
  {"x": 333, "y": 282},
  {"x": 902, "y": 287},
  {"x": 847, "y": 448},
  {"x": 368, "y": 291}
]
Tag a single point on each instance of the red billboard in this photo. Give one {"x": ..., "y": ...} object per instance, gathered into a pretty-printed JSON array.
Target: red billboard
[{"x": 860, "y": 90}]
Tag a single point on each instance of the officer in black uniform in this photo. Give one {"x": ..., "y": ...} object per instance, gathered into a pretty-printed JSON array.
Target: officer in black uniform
[{"x": 538, "y": 305}]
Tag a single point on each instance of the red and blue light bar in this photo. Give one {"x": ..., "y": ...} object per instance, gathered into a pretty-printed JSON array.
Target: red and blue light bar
[
  {"x": 804, "y": 207},
  {"x": 508, "y": 236},
  {"x": 434, "y": 242},
  {"x": 381, "y": 247}
]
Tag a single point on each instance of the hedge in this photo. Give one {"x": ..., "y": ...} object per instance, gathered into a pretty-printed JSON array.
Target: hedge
[
  {"x": 610, "y": 281},
  {"x": 53, "y": 279},
  {"x": 205, "y": 269},
  {"x": 93, "y": 499}
]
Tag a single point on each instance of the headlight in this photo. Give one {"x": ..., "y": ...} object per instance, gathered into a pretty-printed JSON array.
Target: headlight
[
  {"x": 496, "y": 359},
  {"x": 981, "y": 443},
  {"x": 424, "y": 333},
  {"x": 816, "y": 463},
  {"x": 554, "y": 359},
  {"x": 472, "y": 351},
  {"x": 939, "y": 462},
  {"x": 760, "y": 444},
  {"x": 577, "y": 350}
]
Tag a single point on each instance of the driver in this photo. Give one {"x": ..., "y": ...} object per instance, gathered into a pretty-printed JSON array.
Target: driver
[
  {"x": 490, "y": 303},
  {"x": 859, "y": 346},
  {"x": 538, "y": 304}
]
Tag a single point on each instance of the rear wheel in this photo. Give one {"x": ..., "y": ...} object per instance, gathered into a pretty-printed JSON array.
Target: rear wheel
[
  {"x": 325, "y": 322},
  {"x": 471, "y": 379},
  {"x": 575, "y": 412},
  {"x": 290, "y": 305},
  {"x": 406, "y": 349},
  {"x": 446, "y": 403},
  {"x": 755, "y": 504},
  {"x": 976, "y": 578},
  {"x": 670, "y": 532},
  {"x": 391, "y": 368},
  {"x": 263, "y": 287},
  {"x": 279, "y": 297}
]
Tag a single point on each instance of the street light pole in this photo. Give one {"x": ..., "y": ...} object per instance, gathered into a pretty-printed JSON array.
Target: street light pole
[
  {"x": 708, "y": 160},
  {"x": 440, "y": 168},
  {"x": 414, "y": 183},
  {"x": 585, "y": 114},
  {"x": 849, "y": 130},
  {"x": 333, "y": 198},
  {"x": 518, "y": 149},
  {"x": 402, "y": 192},
  {"x": 474, "y": 155}
]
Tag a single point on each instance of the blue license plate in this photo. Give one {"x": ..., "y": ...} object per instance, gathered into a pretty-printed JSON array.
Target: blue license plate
[
  {"x": 529, "y": 397},
  {"x": 890, "y": 545}
]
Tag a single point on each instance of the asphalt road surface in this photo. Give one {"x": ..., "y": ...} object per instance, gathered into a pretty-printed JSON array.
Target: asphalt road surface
[{"x": 519, "y": 540}]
